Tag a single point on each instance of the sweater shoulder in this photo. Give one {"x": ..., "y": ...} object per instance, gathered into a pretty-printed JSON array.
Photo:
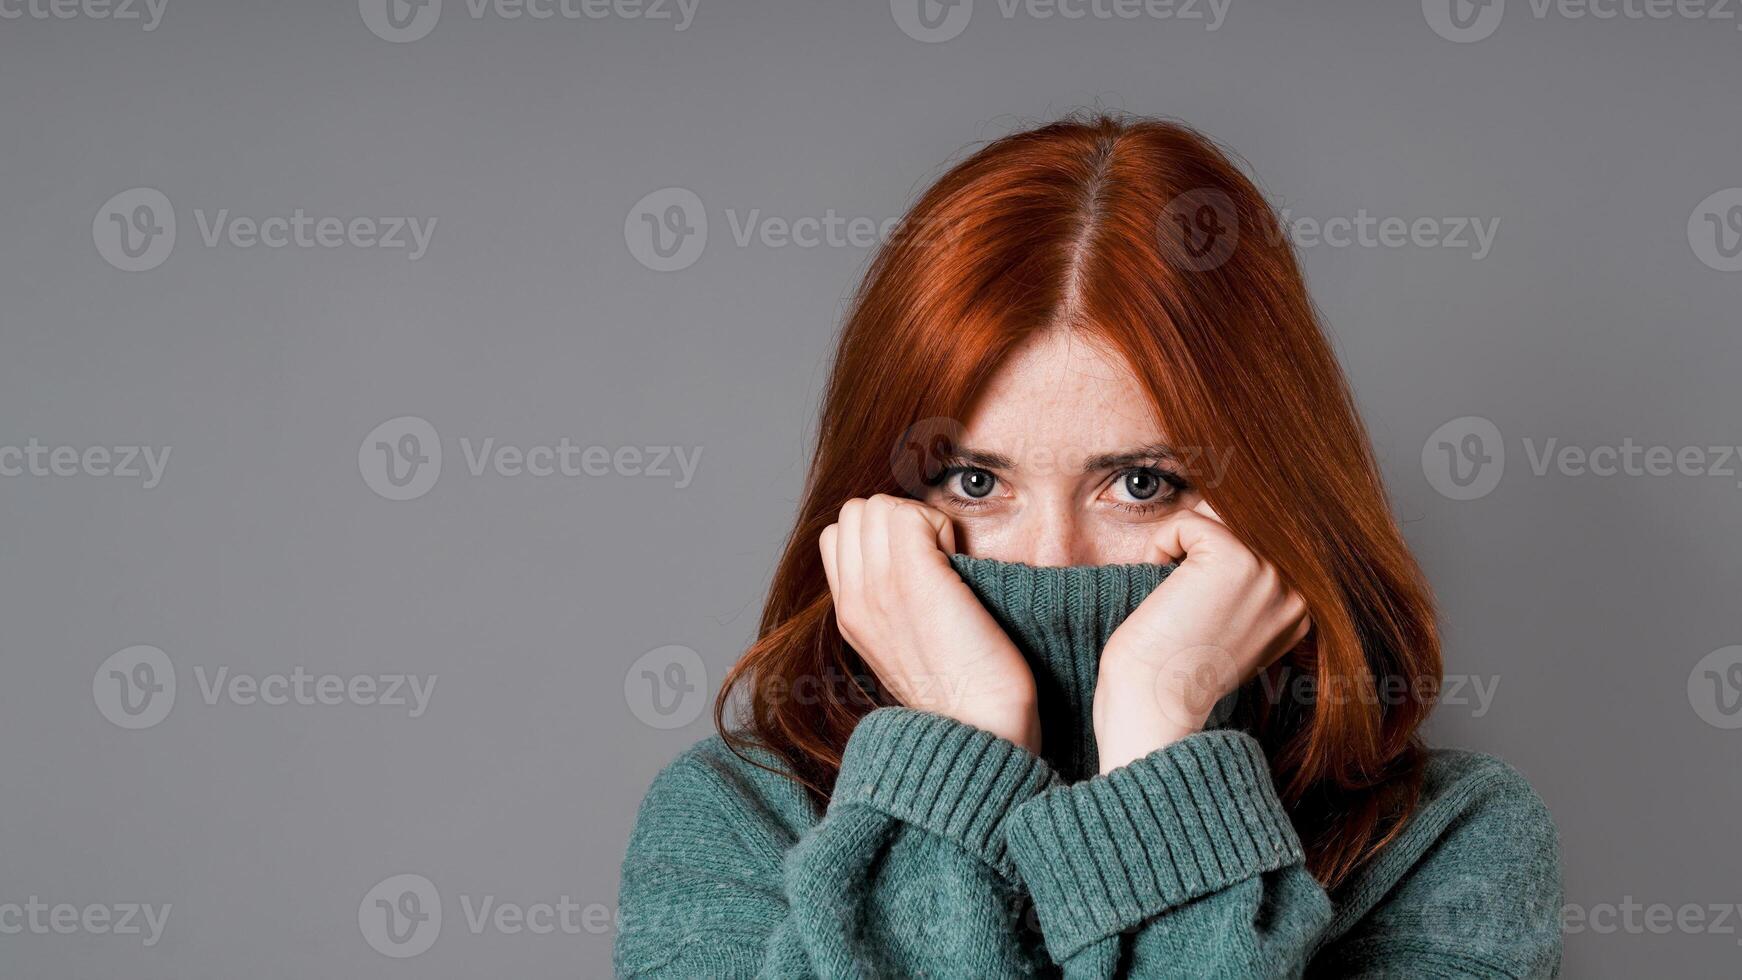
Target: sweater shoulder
[
  {"x": 709, "y": 784},
  {"x": 745, "y": 768},
  {"x": 1477, "y": 866},
  {"x": 1474, "y": 809},
  {"x": 1463, "y": 783},
  {"x": 700, "y": 886},
  {"x": 1477, "y": 819}
]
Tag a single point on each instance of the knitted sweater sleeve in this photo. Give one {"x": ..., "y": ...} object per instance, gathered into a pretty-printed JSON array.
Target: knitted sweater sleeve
[
  {"x": 1185, "y": 864},
  {"x": 905, "y": 874}
]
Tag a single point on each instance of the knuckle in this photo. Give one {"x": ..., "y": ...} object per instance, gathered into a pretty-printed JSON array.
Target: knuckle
[
  {"x": 1269, "y": 578},
  {"x": 848, "y": 615},
  {"x": 907, "y": 517},
  {"x": 1244, "y": 564}
]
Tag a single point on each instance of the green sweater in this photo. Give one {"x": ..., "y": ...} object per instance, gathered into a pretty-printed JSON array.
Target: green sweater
[{"x": 947, "y": 851}]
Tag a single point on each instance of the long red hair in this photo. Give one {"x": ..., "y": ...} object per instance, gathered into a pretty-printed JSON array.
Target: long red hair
[{"x": 1143, "y": 233}]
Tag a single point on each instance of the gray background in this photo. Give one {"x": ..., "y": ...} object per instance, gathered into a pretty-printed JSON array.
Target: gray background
[{"x": 530, "y": 319}]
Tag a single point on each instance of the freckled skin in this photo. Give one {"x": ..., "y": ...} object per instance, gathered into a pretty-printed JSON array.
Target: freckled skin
[
  {"x": 1060, "y": 463},
  {"x": 1058, "y": 399}
]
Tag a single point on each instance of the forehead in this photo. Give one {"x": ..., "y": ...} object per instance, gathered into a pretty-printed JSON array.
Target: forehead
[{"x": 1062, "y": 390}]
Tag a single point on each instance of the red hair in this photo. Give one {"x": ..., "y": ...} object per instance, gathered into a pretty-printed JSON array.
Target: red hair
[{"x": 1105, "y": 225}]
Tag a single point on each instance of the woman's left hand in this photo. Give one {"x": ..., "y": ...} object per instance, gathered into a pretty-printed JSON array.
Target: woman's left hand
[{"x": 1218, "y": 619}]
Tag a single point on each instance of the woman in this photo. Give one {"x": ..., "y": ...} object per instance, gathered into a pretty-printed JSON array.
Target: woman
[{"x": 1114, "y": 666}]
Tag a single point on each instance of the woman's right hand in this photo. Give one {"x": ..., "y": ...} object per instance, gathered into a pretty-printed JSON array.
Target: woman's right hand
[{"x": 917, "y": 625}]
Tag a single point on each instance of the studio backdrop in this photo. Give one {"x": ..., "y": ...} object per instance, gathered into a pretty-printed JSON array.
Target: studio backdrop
[{"x": 403, "y": 404}]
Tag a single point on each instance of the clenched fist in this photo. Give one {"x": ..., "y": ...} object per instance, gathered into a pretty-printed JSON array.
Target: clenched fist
[{"x": 917, "y": 625}]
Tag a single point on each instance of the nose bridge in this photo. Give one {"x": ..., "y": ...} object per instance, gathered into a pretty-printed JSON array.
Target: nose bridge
[{"x": 1050, "y": 534}]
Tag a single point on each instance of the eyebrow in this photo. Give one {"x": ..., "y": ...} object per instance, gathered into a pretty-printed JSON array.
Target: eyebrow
[{"x": 981, "y": 459}]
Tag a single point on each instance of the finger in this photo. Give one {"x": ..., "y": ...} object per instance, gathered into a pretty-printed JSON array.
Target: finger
[
  {"x": 918, "y": 534},
  {"x": 874, "y": 539},
  {"x": 1181, "y": 533},
  {"x": 826, "y": 543},
  {"x": 849, "y": 566},
  {"x": 943, "y": 531}
]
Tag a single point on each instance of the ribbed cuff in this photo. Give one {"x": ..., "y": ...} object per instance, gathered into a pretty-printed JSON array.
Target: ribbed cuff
[
  {"x": 1189, "y": 819},
  {"x": 937, "y": 773}
]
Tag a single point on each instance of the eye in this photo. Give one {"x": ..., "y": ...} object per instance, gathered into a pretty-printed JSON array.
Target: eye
[
  {"x": 1140, "y": 484},
  {"x": 974, "y": 483},
  {"x": 967, "y": 487},
  {"x": 1143, "y": 488}
]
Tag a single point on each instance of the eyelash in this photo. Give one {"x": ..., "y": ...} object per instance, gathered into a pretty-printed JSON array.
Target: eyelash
[{"x": 1172, "y": 486}]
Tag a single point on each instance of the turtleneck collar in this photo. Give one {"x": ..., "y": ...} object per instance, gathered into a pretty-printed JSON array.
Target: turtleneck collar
[{"x": 1060, "y": 618}]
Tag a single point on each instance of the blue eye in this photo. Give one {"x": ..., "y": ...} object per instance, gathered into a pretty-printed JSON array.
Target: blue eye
[
  {"x": 1142, "y": 484},
  {"x": 1145, "y": 487},
  {"x": 976, "y": 483}
]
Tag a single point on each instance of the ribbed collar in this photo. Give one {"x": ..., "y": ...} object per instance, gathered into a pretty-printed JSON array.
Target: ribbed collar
[{"x": 1060, "y": 618}]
